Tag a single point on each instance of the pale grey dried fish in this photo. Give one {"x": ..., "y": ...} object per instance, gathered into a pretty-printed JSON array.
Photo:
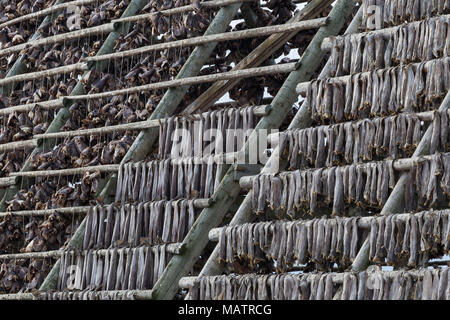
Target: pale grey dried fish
[
  {"x": 120, "y": 270},
  {"x": 111, "y": 276}
]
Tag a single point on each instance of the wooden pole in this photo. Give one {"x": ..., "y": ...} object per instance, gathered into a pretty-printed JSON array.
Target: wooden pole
[
  {"x": 301, "y": 120},
  {"x": 136, "y": 294},
  {"x": 273, "y": 139},
  {"x": 228, "y": 190},
  {"x": 68, "y": 36},
  {"x": 327, "y": 44},
  {"x": 396, "y": 200},
  {"x": 256, "y": 57},
  {"x": 302, "y": 88},
  {"x": 67, "y": 172},
  {"x": 37, "y": 213},
  {"x": 173, "y": 248},
  {"x": 198, "y": 203},
  {"x": 19, "y": 66},
  {"x": 18, "y": 145},
  {"x": 53, "y": 9},
  {"x": 182, "y": 82},
  {"x": 399, "y": 165},
  {"x": 44, "y": 73},
  {"x": 46, "y": 105},
  {"x": 338, "y": 278},
  {"x": 182, "y": 9},
  {"x": 223, "y": 157},
  {"x": 7, "y": 181},
  {"x": 220, "y": 37},
  {"x": 259, "y": 111},
  {"x": 363, "y": 222}
]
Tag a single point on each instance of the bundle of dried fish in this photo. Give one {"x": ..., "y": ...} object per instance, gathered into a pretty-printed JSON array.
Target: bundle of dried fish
[
  {"x": 212, "y": 133},
  {"x": 380, "y": 92},
  {"x": 396, "y": 12},
  {"x": 23, "y": 275},
  {"x": 119, "y": 269},
  {"x": 399, "y": 241},
  {"x": 409, "y": 242},
  {"x": 364, "y": 140},
  {"x": 422, "y": 284},
  {"x": 417, "y": 42},
  {"x": 428, "y": 182},
  {"x": 364, "y": 185},
  {"x": 87, "y": 294},
  {"x": 168, "y": 179},
  {"x": 320, "y": 241},
  {"x": 147, "y": 223}
]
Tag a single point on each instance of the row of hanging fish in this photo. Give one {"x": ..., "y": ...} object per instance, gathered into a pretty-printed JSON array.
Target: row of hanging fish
[
  {"x": 117, "y": 269},
  {"x": 210, "y": 134},
  {"x": 147, "y": 223},
  {"x": 86, "y": 295},
  {"x": 305, "y": 191},
  {"x": 401, "y": 241},
  {"x": 413, "y": 87},
  {"x": 320, "y": 241},
  {"x": 396, "y": 12},
  {"x": 422, "y": 284},
  {"x": 364, "y": 140},
  {"x": 168, "y": 179},
  {"x": 411, "y": 240},
  {"x": 414, "y": 42},
  {"x": 428, "y": 183},
  {"x": 364, "y": 185}
]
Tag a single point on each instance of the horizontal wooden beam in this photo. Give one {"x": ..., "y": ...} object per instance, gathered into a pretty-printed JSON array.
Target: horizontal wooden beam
[
  {"x": 198, "y": 203},
  {"x": 258, "y": 111},
  {"x": 182, "y": 9},
  {"x": 173, "y": 248},
  {"x": 64, "y": 37},
  {"x": 224, "y": 158},
  {"x": 18, "y": 145},
  {"x": 327, "y": 44},
  {"x": 52, "y": 9},
  {"x": 338, "y": 278},
  {"x": 47, "y": 105},
  {"x": 135, "y": 294},
  {"x": 67, "y": 172},
  {"x": 302, "y": 88},
  {"x": 363, "y": 222},
  {"x": 273, "y": 138},
  {"x": 220, "y": 37},
  {"x": 44, "y": 73},
  {"x": 241, "y": 74},
  {"x": 404, "y": 164},
  {"x": 7, "y": 181}
]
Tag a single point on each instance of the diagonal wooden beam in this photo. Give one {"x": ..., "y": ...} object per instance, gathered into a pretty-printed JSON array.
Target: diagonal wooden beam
[
  {"x": 256, "y": 57},
  {"x": 396, "y": 201},
  {"x": 301, "y": 120}
]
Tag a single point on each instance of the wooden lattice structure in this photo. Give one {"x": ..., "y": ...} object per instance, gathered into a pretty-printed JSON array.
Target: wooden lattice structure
[{"x": 98, "y": 205}]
